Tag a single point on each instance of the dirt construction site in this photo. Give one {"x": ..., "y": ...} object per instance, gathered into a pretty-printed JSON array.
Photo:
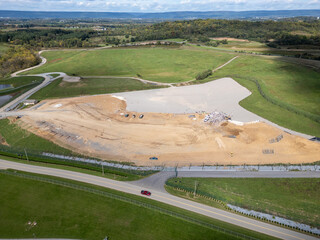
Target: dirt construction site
[{"x": 100, "y": 126}]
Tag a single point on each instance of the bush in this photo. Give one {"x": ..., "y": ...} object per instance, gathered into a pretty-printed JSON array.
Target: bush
[{"x": 204, "y": 74}]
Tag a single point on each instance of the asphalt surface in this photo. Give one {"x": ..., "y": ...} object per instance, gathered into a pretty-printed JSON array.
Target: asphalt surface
[
  {"x": 47, "y": 80},
  {"x": 158, "y": 180},
  {"x": 165, "y": 198},
  {"x": 4, "y": 110}
]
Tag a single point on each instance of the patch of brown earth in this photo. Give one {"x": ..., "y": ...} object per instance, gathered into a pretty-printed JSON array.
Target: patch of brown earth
[
  {"x": 55, "y": 60},
  {"x": 231, "y": 39},
  {"x": 98, "y": 126},
  {"x": 3, "y": 141}
]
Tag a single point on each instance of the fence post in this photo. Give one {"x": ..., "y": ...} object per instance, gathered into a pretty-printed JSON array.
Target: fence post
[
  {"x": 26, "y": 155},
  {"x": 195, "y": 188}
]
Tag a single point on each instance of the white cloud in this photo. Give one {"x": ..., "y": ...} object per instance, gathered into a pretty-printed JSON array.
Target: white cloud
[{"x": 156, "y": 5}]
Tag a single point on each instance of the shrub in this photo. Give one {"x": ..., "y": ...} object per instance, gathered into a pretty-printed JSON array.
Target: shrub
[{"x": 204, "y": 74}]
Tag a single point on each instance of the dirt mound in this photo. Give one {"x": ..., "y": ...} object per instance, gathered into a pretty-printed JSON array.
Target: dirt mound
[
  {"x": 100, "y": 126},
  {"x": 3, "y": 141}
]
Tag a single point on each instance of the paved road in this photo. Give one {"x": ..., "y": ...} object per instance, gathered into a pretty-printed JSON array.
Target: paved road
[
  {"x": 27, "y": 94},
  {"x": 43, "y": 61},
  {"x": 158, "y": 180},
  {"x": 12, "y": 104},
  {"x": 165, "y": 198}
]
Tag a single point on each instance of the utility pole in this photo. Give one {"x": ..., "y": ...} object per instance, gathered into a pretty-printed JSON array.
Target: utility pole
[
  {"x": 195, "y": 188},
  {"x": 102, "y": 168},
  {"x": 176, "y": 170},
  {"x": 26, "y": 155}
]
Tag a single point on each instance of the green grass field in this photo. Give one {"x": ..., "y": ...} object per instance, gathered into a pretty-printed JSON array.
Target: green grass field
[
  {"x": 297, "y": 199},
  {"x": 287, "y": 83},
  {"x": 63, "y": 212},
  {"x": 160, "y": 64},
  {"x": 90, "y": 86},
  {"x": 19, "y": 138},
  {"x": 257, "y": 47},
  {"x": 20, "y": 81}
]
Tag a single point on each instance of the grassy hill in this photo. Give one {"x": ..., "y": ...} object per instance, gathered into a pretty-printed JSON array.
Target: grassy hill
[
  {"x": 294, "y": 88},
  {"x": 285, "y": 93},
  {"x": 162, "y": 64},
  {"x": 90, "y": 86}
]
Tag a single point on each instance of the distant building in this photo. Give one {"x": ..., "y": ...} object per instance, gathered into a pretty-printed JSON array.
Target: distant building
[{"x": 30, "y": 102}]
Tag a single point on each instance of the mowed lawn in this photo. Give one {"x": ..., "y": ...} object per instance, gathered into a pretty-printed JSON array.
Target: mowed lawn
[
  {"x": 297, "y": 199},
  {"x": 288, "y": 83},
  {"x": 163, "y": 64},
  {"x": 90, "y": 86},
  {"x": 62, "y": 212},
  {"x": 17, "y": 138},
  {"x": 20, "y": 81}
]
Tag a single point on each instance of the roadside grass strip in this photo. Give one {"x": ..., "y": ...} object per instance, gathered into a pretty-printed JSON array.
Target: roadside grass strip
[
  {"x": 127, "y": 200},
  {"x": 121, "y": 173},
  {"x": 270, "y": 196}
]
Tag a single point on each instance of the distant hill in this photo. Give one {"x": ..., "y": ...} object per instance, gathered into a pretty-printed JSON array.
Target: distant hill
[{"x": 163, "y": 15}]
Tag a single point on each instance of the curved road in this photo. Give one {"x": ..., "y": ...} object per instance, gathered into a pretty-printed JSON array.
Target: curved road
[
  {"x": 126, "y": 187},
  {"x": 47, "y": 80}
]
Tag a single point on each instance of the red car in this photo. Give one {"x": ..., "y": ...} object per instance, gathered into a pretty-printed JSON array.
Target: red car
[{"x": 144, "y": 192}]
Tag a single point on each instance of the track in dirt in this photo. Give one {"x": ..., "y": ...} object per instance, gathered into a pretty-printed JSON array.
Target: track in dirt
[{"x": 97, "y": 126}]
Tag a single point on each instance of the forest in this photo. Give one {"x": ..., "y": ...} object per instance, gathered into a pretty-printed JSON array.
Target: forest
[
  {"x": 16, "y": 58},
  {"x": 284, "y": 32}
]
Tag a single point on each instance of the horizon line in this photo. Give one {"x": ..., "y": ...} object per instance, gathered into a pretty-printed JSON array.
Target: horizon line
[{"x": 165, "y": 11}]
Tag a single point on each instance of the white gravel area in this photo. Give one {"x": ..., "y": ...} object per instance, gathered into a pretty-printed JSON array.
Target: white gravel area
[{"x": 220, "y": 95}]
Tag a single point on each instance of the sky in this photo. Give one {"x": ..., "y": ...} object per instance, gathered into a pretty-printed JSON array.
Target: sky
[{"x": 156, "y": 5}]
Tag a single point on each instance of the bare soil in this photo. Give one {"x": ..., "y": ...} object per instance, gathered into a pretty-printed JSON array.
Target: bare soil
[
  {"x": 231, "y": 39},
  {"x": 97, "y": 126}
]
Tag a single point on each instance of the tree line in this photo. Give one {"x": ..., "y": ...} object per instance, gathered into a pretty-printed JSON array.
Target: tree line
[
  {"x": 283, "y": 32},
  {"x": 16, "y": 58},
  {"x": 200, "y": 30},
  {"x": 50, "y": 38}
]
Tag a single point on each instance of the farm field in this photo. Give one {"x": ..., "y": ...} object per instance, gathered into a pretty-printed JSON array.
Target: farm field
[
  {"x": 90, "y": 86},
  {"x": 292, "y": 198},
  {"x": 162, "y": 64},
  {"x": 64, "y": 212},
  {"x": 288, "y": 84},
  {"x": 244, "y": 45}
]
